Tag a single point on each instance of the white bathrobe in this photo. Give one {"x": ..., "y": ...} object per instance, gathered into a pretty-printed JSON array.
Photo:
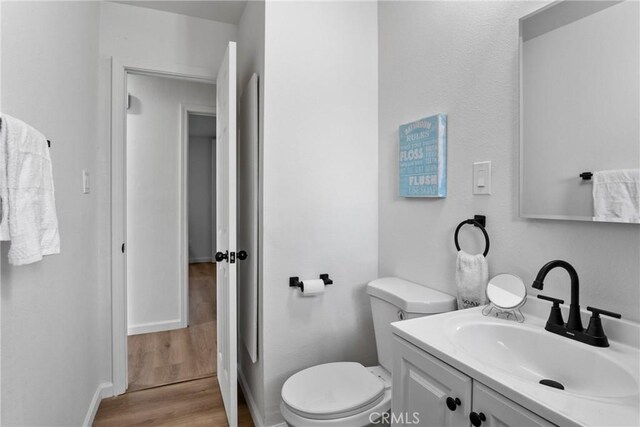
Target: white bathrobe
[{"x": 26, "y": 188}]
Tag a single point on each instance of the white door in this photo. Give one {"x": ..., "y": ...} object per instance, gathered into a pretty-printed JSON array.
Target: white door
[
  {"x": 427, "y": 392},
  {"x": 226, "y": 233}
]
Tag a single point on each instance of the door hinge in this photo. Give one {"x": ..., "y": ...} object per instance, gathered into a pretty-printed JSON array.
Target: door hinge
[
  {"x": 123, "y": 248},
  {"x": 232, "y": 257}
]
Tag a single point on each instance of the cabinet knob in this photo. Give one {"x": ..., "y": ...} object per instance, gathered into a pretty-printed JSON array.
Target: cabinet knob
[
  {"x": 477, "y": 419},
  {"x": 453, "y": 403}
]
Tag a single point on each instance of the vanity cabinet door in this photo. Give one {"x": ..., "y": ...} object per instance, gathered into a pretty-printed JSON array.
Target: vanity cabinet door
[
  {"x": 500, "y": 411},
  {"x": 421, "y": 386}
]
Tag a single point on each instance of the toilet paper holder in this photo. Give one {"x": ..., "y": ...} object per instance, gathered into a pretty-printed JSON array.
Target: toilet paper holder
[{"x": 295, "y": 282}]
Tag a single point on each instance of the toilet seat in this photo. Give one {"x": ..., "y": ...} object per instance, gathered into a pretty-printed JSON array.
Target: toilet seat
[{"x": 333, "y": 390}]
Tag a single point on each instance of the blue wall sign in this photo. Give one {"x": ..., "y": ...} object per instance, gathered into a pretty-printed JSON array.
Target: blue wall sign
[{"x": 423, "y": 157}]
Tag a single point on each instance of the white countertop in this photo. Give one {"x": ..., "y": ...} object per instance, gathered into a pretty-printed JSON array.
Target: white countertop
[{"x": 557, "y": 406}]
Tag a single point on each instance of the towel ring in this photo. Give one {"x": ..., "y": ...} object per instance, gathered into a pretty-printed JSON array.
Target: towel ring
[{"x": 477, "y": 224}]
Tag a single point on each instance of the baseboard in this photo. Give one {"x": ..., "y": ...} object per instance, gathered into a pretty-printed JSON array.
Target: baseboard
[
  {"x": 253, "y": 408},
  {"x": 146, "y": 328},
  {"x": 106, "y": 390},
  {"x": 103, "y": 390},
  {"x": 199, "y": 260}
]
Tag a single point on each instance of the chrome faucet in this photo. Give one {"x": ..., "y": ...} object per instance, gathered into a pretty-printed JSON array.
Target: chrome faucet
[{"x": 594, "y": 334}]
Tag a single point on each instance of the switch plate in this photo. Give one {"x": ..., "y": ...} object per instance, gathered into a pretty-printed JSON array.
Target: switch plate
[
  {"x": 482, "y": 177},
  {"x": 85, "y": 182}
]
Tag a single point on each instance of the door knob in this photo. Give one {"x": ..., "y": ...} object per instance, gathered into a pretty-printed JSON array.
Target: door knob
[
  {"x": 242, "y": 255},
  {"x": 222, "y": 256},
  {"x": 477, "y": 419}
]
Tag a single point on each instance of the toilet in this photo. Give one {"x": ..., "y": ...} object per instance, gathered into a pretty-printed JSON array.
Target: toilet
[{"x": 348, "y": 394}]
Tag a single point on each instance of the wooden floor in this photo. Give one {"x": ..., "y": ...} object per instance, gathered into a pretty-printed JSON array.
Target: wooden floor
[
  {"x": 162, "y": 367},
  {"x": 169, "y": 357},
  {"x": 193, "y": 403}
]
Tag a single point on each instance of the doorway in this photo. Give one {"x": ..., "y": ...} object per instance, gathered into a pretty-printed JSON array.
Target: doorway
[
  {"x": 171, "y": 303},
  {"x": 226, "y": 167}
]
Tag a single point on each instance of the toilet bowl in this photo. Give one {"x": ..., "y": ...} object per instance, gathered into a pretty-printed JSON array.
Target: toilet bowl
[
  {"x": 347, "y": 394},
  {"x": 336, "y": 394}
]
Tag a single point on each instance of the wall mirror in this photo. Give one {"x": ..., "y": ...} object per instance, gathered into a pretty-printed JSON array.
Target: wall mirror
[{"x": 579, "y": 104}]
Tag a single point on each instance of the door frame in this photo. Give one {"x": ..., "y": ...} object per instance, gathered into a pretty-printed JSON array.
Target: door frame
[
  {"x": 119, "y": 71},
  {"x": 185, "y": 110}
]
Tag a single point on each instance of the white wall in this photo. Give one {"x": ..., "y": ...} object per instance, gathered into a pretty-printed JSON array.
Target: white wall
[
  {"x": 320, "y": 192},
  {"x": 52, "y": 329},
  {"x": 139, "y": 34},
  {"x": 154, "y": 263},
  {"x": 462, "y": 58},
  {"x": 201, "y": 197},
  {"x": 581, "y": 108},
  {"x": 251, "y": 51}
]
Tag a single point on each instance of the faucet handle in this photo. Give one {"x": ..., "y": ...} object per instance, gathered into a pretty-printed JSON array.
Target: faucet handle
[
  {"x": 597, "y": 311},
  {"x": 555, "y": 301},
  {"x": 555, "y": 317},
  {"x": 595, "y": 328}
]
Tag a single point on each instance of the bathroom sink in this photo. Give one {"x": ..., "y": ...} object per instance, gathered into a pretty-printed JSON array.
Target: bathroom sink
[
  {"x": 585, "y": 385},
  {"x": 533, "y": 354}
]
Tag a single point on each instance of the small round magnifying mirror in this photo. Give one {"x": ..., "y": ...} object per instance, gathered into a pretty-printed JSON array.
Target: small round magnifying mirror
[{"x": 506, "y": 291}]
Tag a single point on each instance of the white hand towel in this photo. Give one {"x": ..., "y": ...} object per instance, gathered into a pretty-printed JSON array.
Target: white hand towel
[
  {"x": 616, "y": 195},
  {"x": 31, "y": 210},
  {"x": 472, "y": 275}
]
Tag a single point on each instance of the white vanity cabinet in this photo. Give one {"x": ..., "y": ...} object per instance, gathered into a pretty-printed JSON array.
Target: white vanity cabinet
[
  {"x": 421, "y": 386},
  {"x": 428, "y": 392}
]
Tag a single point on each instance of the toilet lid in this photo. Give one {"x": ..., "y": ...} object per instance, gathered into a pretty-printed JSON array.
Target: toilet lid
[{"x": 332, "y": 389}]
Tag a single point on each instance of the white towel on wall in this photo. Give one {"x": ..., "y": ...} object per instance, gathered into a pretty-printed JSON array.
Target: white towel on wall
[
  {"x": 29, "y": 213},
  {"x": 472, "y": 275},
  {"x": 616, "y": 195}
]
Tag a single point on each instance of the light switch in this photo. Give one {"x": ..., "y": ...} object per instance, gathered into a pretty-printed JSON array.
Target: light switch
[
  {"x": 85, "y": 182},
  {"x": 482, "y": 178}
]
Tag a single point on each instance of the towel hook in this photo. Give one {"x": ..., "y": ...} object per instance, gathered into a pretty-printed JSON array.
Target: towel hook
[
  {"x": 586, "y": 176},
  {"x": 479, "y": 221}
]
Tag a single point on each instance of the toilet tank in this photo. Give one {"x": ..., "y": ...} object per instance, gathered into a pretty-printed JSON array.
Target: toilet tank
[{"x": 394, "y": 299}]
